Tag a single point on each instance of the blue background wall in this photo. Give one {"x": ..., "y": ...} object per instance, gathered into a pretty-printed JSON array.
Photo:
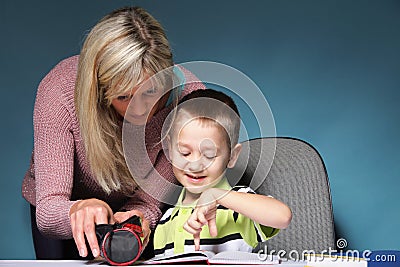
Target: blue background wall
[{"x": 330, "y": 71}]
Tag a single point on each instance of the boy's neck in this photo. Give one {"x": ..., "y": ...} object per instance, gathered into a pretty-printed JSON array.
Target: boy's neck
[{"x": 190, "y": 198}]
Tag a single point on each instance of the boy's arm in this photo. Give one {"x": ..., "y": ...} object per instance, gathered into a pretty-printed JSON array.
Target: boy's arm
[{"x": 262, "y": 209}]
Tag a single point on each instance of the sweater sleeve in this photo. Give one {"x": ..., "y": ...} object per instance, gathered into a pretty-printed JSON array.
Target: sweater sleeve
[
  {"x": 150, "y": 168},
  {"x": 53, "y": 154},
  {"x": 154, "y": 191}
]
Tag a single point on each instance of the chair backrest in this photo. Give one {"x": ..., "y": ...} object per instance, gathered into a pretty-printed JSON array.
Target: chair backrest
[{"x": 296, "y": 175}]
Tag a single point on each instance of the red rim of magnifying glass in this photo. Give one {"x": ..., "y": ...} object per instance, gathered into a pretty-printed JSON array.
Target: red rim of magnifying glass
[{"x": 121, "y": 263}]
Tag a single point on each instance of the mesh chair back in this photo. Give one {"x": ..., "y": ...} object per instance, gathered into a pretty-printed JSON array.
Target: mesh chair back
[{"x": 296, "y": 175}]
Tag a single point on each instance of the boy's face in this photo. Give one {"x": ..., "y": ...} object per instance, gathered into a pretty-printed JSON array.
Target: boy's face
[{"x": 200, "y": 155}]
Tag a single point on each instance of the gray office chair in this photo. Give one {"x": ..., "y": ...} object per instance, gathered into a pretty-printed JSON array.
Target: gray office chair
[{"x": 296, "y": 175}]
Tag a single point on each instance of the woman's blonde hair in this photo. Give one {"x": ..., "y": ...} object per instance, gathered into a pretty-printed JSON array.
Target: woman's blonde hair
[{"x": 120, "y": 51}]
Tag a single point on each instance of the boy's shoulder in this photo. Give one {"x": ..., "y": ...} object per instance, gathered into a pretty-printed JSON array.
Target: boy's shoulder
[
  {"x": 167, "y": 214},
  {"x": 243, "y": 188}
]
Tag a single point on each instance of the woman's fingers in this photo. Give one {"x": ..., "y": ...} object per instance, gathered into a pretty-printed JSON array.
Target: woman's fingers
[
  {"x": 94, "y": 215},
  {"x": 146, "y": 232},
  {"x": 84, "y": 216},
  {"x": 87, "y": 213},
  {"x": 123, "y": 216},
  {"x": 78, "y": 234}
]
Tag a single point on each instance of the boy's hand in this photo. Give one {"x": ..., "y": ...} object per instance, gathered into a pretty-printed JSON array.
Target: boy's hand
[{"x": 204, "y": 214}]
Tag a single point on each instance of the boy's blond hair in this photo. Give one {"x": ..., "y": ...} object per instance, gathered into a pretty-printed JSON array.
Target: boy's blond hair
[{"x": 211, "y": 108}]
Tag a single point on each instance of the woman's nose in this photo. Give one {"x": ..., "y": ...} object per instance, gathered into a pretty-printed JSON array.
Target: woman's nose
[{"x": 137, "y": 107}]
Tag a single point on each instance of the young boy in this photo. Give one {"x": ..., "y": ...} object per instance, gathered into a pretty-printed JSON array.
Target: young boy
[{"x": 210, "y": 214}]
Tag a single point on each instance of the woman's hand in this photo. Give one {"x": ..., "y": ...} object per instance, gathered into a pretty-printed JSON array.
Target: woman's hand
[
  {"x": 84, "y": 215},
  {"x": 125, "y": 215}
]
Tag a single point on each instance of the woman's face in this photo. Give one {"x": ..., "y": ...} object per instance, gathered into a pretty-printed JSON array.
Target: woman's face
[{"x": 140, "y": 104}]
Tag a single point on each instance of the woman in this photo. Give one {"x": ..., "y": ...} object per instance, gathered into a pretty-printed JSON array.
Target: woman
[{"x": 78, "y": 175}]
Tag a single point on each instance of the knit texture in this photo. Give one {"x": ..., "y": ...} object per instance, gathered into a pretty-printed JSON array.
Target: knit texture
[{"x": 59, "y": 172}]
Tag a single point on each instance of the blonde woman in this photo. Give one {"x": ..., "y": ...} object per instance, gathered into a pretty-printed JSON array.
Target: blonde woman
[{"x": 78, "y": 175}]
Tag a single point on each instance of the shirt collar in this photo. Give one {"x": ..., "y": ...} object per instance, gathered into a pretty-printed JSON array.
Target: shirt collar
[{"x": 223, "y": 184}]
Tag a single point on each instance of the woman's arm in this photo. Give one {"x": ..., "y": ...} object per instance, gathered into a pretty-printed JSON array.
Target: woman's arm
[
  {"x": 54, "y": 157},
  {"x": 153, "y": 190},
  {"x": 53, "y": 154}
]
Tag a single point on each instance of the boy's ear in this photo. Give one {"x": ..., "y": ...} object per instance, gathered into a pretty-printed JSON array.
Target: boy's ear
[{"x": 234, "y": 155}]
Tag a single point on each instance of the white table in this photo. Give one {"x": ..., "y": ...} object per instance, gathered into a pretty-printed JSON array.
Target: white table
[{"x": 76, "y": 263}]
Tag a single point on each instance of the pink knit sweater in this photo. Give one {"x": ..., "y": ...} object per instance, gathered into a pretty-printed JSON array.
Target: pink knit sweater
[{"x": 59, "y": 173}]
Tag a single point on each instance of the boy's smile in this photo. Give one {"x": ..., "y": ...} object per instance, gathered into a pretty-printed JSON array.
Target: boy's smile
[{"x": 194, "y": 178}]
